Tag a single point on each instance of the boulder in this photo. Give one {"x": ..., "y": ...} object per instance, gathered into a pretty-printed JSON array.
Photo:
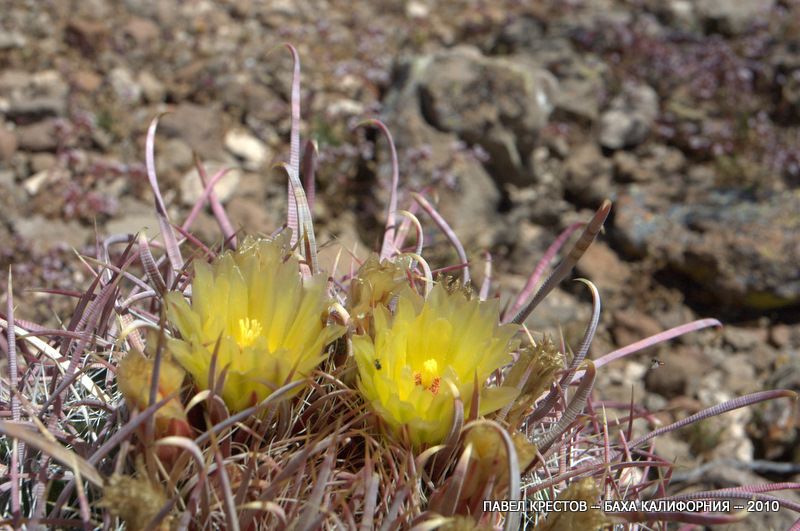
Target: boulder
[
  {"x": 740, "y": 253},
  {"x": 499, "y": 104},
  {"x": 630, "y": 117}
]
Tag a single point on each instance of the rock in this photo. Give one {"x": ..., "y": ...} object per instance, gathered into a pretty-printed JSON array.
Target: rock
[
  {"x": 740, "y": 375},
  {"x": 672, "y": 448},
  {"x": 126, "y": 89},
  {"x": 790, "y": 92},
  {"x": 263, "y": 109},
  {"x": 345, "y": 240},
  {"x": 247, "y": 147},
  {"x": 135, "y": 216},
  {"x": 198, "y": 125},
  {"x": 732, "y": 18},
  {"x": 631, "y": 326},
  {"x": 777, "y": 427},
  {"x": 587, "y": 175},
  {"x": 577, "y": 99},
  {"x": 44, "y": 234},
  {"x": 782, "y": 335},
  {"x": 680, "y": 373},
  {"x": 35, "y": 96},
  {"x": 344, "y": 107},
  {"x": 192, "y": 187},
  {"x": 34, "y": 183},
  {"x": 40, "y": 136},
  {"x": 37, "y": 107},
  {"x": 560, "y": 310},
  {"x": 142, "y": 31},
  {"x": 603, "y": 267},
  {"x": 86, "y": 81},
  {"x": 173, "y": 156},
  {"x": 11, "y": 201},
  {"x": 659, "y": 163},
  {"x": 525, "y": 33},
  {"x": 154, "y": 91},
  {"x": 681, "y": 14},
  {"x": 630, "y": 117},
  {"x": 89, "y": 36},
  {"x": 743, "y": 339},
  {"x": 477, "y": 193},
  {"x": 246, "y": 208},
  {"x": 8, "y": 144},
  {"x": 11, "y": 39},
  {"x": 42, "y": 162},
  {"x": 417, "y": 9},
  {"x": 740, "y": 254},
  {"x": 499, "y": 104}
]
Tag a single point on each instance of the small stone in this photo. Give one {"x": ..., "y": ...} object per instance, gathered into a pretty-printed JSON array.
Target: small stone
[
  {"x": 34, "y": 108},
  {"x": 416, "y": 9},
  {"x": 34, "y": 183},
  {"x": 247, "y": 147},
  {"x": 12, "y": 200},
  {"x": 672, "y": 449},
  {"x": 498, "y": 103},
  {"x": 246, "y": 207},
  {"x": 740, "y": 374},
  {"x": 86, "y": 81},
  {"x": 732, "y": 18},
  {"x": 630, "y": 117},
  {"x": 192, "y": 187},
  {"x": 143, "y": 31},
  {"x": 35, "y": 96},
  {"x": 345, "y": 107},
  {"x": 198, "y": 125},
  {"x": 40, "y": 136},
  {"x": 603, "y": 267},
  {"x": 127, "y": 90},
  {"x": 631, "y": 326},
  {"x": 174, "y": 155},
  {"x": 42, "y": 162},
  {"x": 13, "y": 80},
  {"x": 153, "y": 89},
  {"x": 588, "y": 174},
  {"x": 8, "y": 144},
  {"x": 780, "y": 335},
  {"x": 45, "y": 234},
  {"x": 628, "y": 168},
  {"x": 577, "y": 99},
  {"x": 136, "y": 217},
  {"x": 743, "y": 339},
  {"x": 680, "y": 373},
  {"x": 87, "y": 35},
  {"x": 682, "y": 13},
  {"x": 11, "y": 39}
]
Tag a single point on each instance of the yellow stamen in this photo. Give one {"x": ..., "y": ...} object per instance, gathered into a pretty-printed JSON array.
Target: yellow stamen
[
  {"x": 249, "y": 331},
  {"x": 429, "y": 377},
  {"x": 430, "y": 370}
]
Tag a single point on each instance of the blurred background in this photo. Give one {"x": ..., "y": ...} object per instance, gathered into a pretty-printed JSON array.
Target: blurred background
[{"x": 517, "y": 118}]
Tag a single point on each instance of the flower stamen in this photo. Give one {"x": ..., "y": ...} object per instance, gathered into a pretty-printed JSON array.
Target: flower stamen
[
  {"x": 428, "y": 378},
  {"x": 249, "y": 331}
]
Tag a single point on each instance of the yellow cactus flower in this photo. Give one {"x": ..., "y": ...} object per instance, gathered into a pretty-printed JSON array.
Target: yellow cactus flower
[
  {"x": 417, "y": 356},
  {"x": 489, "y": 459},
  {"x": 376, "y": 283},
  {"x": 265, "y": 321},
  {"x": 134, "y": 377}
]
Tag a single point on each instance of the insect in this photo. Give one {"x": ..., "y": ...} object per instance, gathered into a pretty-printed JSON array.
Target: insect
[{"x": 377, "y": 363}]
